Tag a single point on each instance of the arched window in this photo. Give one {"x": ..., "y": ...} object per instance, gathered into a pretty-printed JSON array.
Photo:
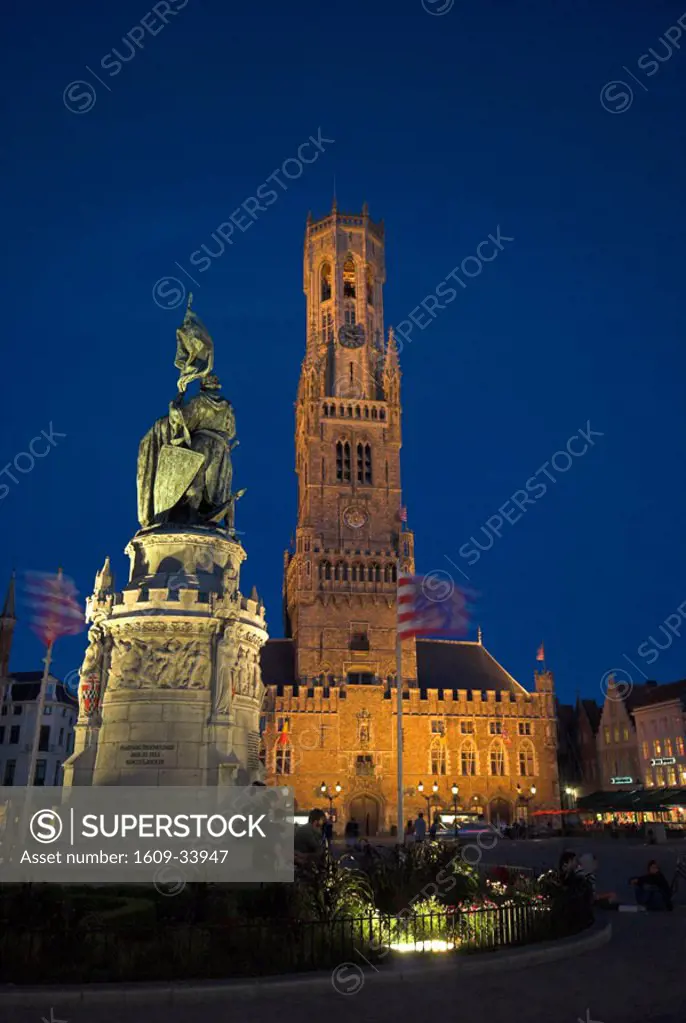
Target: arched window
[
  {"x": 364, "y": 463},
  {"x": 497, "y": 759},
  {"x": 325, "y": 282},
  {"x": 262, "y": 753},
  {"x": 370, "y": 285},
  {"x": 526, "y": 760},
  {"x": 283, "y": 758},
  {"x": 468, "y": 758},
  {"x": 366, "y": 412},
  {"x": 393, "y": 573},
  {"x": 349, "y": 278},
  {"x": 375, "y": 414},
  {"x": 358, "y": 412},
  {"x": 375, "y": 573},
  {"x": 341, "y": 571},
  {"x": 325, "y": 570},
  {"x": 382, "y": 413},
  {"x": 343, "y": 461},
  {"x": 437, "y": 756}
]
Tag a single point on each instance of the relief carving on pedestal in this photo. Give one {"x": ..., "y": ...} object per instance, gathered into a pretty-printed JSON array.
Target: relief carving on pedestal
[{"x": 145, "y": 663}]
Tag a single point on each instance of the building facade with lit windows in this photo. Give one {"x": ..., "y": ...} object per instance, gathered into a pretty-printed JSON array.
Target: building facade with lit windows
[
  {"x": 661, "y": 734},
  {"x": 19, "y": 692},
  {"x": 330, "y": 715}
]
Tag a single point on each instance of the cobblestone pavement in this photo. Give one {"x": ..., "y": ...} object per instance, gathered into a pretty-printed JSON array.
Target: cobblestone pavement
[{"x": 637, "y": 978}]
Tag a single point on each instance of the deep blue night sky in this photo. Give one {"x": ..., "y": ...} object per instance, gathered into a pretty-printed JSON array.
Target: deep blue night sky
[{"x": 448, "y": 126}]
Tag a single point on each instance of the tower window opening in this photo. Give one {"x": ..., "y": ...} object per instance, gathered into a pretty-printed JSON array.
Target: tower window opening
[
  {"x": 349, "y": 278},
  {"x": 326, "y": 282},
  {"x": 343, "y": 461},
  {"x": 364, "y": 463},
  {"x": 350, "y": 316},
  {"x": 370, "y": 286},
  {"x": 327, "y": 327}
]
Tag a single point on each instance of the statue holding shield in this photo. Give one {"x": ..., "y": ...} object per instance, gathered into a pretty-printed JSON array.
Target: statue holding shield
[{"x": 184, "y": 461}]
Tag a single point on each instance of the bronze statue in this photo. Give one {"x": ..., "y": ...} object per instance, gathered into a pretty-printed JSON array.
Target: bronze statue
[
  {"x": 184, "y": 461},
  {"x": 194, "y": 349}
]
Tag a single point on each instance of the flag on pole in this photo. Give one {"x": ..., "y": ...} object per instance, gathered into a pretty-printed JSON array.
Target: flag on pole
[
  {"x": 283, "y": 733},
  {"x": 403, "y": 514},
  {"x": 431, "y": 605},
  {"x": 56, "y": 610},
  {"x": 540, "y": 653}
]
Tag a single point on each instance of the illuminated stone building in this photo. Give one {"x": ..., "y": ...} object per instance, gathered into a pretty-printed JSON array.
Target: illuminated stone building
[{"x": 330, "y": 711}]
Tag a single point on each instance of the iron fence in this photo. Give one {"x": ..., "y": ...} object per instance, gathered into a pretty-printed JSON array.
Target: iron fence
[{"x": 90, "y": 953}]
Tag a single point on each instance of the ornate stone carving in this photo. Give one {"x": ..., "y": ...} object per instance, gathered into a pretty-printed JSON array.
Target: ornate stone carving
[
  {"x": 90, "y": 681},
  {"x": 140, "y": 663}
]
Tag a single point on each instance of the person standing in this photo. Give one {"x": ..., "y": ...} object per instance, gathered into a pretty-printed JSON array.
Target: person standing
[
  {"x": 420, "y": 828},
  {"x": 308, "y": 842},
  {"x": 409, "y": 832}
]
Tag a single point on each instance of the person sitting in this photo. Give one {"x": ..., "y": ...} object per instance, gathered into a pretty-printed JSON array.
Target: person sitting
[
  {"x": 568, "y": 868},
  {"x": 652, "y": 889},
  {"x": 308, "y": 842}
]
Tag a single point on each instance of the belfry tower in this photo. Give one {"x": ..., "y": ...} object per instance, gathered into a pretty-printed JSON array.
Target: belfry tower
[{"x": 340, "y": 581}]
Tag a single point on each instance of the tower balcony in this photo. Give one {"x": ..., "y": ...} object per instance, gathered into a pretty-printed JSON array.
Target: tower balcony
[{"x": 359, "y": 408}]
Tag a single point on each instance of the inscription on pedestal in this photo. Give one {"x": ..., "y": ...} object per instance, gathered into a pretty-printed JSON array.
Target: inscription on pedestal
[{"x": 151, "y": 754}]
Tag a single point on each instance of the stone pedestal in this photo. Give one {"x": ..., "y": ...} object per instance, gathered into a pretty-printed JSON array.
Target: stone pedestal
[{"x": 170, "y": 687}]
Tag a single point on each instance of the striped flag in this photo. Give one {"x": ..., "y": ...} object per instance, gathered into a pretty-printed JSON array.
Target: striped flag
[
  {"x": 540, "y": 653},
  {"x": 56, "y": 610},
  {"x": 283, "y": 733},
  {"x": 430, "y": 605}
]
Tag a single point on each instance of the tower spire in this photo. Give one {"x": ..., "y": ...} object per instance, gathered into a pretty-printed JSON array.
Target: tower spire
[
  {"x": 10, "y": 605},
  {"x": 8, "y": 620}
]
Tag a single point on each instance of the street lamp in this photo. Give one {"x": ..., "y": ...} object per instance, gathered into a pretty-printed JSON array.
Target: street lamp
[
  {"x": 324, "y": 789},
  {"x": 455, "y": 790},
  {"x": 434, "y": 790}
]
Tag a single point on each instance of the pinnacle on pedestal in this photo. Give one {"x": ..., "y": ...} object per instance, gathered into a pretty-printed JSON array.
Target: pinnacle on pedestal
[{"x": 10, "y": 605}]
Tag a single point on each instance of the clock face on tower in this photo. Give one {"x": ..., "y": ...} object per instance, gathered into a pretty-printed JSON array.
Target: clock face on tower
[
  {"x": 351, "y": 335},
  {"x": 354, "y": 517}
]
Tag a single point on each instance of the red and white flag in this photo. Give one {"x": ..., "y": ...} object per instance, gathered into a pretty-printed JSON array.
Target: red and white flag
[
  {"x": 56, "y": 610},
  {"x": 540, "y": 654},
  {"x": 431, "y": 605}
]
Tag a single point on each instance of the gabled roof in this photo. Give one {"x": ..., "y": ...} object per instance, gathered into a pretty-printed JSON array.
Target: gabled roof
[
  {"x": 649, "y": 694},
  {"x": 461, "y": 664},
  {"x": 593, "y": 712},
  {"x": 441, "y": 664}
]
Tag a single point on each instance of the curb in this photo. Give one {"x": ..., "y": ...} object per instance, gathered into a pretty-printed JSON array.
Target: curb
[{"x": 136, "y": 994}]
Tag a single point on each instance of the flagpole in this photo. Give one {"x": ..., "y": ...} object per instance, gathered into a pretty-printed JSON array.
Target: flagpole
[
  {"x": 39, "y": 713},
  {"x": 399, "y": 715},
  {"x": 399, "y": 705}
]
